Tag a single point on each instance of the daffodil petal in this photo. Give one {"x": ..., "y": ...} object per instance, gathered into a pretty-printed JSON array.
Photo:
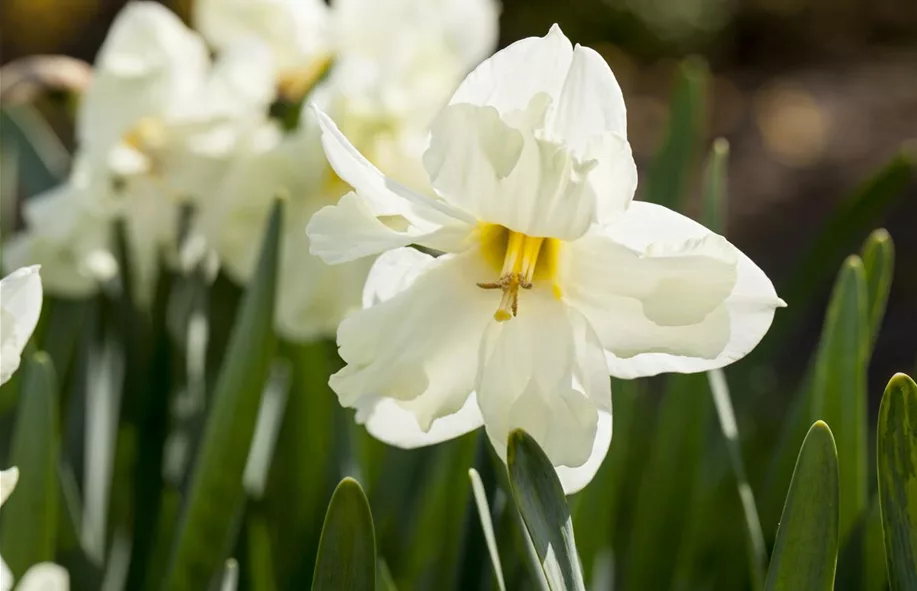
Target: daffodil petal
[
  {"x": 44, "y": 576},
  {"x": 20, "y": 306},
  {"x": 575, "y": 479},
  {"x": 388, "y": 421},
  {"x": 684, "y": 301},
  {"x": 6, "y": 577},
  {"x": 419, "y": 345},
  {"x": 8, "y": 480},
  {"x": 530, "y": 377}
]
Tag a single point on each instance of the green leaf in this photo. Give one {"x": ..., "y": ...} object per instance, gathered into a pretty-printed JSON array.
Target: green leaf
[
  {"x": 216, "y": 494},
  {"x": 839, "y": 394},
  {"x": 671, "y": 169},
  {"x": 541, "y": 502},
  {"x": 346, "y": 558},
  {"x": 897, "y": 468},
  {"x": 754, "y": 538},
  {"x": 43, "y": 160},
  {"x": 673, "y": 466},
  {"x": 805, "y": 554},
  {"x": 480, "y": 500},
  {"x": 879, "y": 263},
  {"x": 30, "y": 515},
  {"x": 713, "y": 214}
]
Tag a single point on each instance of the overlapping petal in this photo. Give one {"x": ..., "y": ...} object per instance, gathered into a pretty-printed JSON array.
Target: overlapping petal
[{"x": 666, "y": 294}]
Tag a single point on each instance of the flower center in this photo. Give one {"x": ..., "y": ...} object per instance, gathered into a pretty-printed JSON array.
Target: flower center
[
  {"x": 295, "y": 83},
  {"x": 525, "y": 259}
]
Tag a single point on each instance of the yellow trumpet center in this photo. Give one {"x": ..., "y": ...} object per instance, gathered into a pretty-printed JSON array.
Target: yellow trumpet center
[{"x": 522, "y": 260}]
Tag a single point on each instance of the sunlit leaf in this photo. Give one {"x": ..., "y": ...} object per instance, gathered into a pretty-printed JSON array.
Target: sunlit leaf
[
  {"x": 897, "y": 468},
  {"x": 541, "y": 502},
  {"x": 347, "y": 553},
  {"x": 487, "y": 526},
  {"x": 805, "y": 554}
]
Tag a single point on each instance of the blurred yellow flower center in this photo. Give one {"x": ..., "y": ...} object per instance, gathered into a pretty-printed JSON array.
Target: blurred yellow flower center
[
  {"x": 295, "y": 83},
  {"x": 521, "y": 259},
  {"x": 148, "y": 135}
]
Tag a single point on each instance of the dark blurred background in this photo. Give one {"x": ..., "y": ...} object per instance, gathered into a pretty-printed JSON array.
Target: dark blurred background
[{"x": 814, "y": 96}]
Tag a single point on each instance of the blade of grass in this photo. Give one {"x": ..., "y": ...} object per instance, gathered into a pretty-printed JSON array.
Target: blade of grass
[{"x": 487, "y": 526}]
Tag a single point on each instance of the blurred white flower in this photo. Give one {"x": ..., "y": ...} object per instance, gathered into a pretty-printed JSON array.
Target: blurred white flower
[
  {"x": 552, "y": 276},
  {"x": 395, "y": 64},
  {"x": 44, "y": 576},
  {"x": 20, "y": 307},
  {"x": 156, "y": 126}
]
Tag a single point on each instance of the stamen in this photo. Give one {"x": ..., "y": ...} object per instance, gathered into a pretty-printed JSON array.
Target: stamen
[{"x": 518, "y": 270}]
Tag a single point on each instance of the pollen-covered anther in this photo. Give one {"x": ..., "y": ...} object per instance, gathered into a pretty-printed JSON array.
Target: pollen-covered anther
[{"x": 518, "y": 270}]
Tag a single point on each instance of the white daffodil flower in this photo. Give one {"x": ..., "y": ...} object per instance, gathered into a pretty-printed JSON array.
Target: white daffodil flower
[
  {"x": 156, "y": 127},
  {"x": 551, "y": 277},
  {"x": 20, "y": 307},
  {"x": 44, "y": 576}
]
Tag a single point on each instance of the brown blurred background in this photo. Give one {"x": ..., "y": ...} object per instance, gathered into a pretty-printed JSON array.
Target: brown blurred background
[{"x": 813, "y": 95}]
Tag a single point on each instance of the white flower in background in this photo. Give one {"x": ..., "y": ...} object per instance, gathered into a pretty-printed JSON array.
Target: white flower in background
[
  {"x": 156, "y": 126},
  {"x": 552, "y": 276},
  {"x": 395, "y": 64},
  {"x": 20, "y": 306},
  {"x": 45, "y": 576}
]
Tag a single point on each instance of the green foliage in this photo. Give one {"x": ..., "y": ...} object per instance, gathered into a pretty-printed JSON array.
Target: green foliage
[
  {"x": 29, "y": 517},
  {"x": 347, "y": 553},
  {"x": 805, "y": 554},
  {"x": 897, "y": 468},
  {"x": 215, "y": 497},
  {"x": 540, "y": 499}
]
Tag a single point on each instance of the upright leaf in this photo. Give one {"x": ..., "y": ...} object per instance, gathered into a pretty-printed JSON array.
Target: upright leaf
[
  {"x": 879, "y": 264},
  {"x": 216, "y": 492},
  {"x": 897, "y": 468},
  {"x": 541, "y": 502},
  {"x": 29, "y": 517},
  {"x": 713, "y": 211},
  {"x": 671, "y": 169},
  {"x": 839, "y": 387},
  {"x": 487, "y": 526},
  {"x": 805, "y": 554},
  {"x": 346, "y": 558}
]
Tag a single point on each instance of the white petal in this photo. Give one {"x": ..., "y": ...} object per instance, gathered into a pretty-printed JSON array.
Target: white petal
[
  {"x": 149, "y": 65},
  {"x": 509, "y": 79},
  {"x": 6, "y": 577},
  {"x": 420, "y": 346},
  {"x": 8, "y": 480},
  {"x": 499, "y": 169},
  {"x": 45, "y": 576},
  {"x": 666, "y": 295},
  {"x": 543, "y": 371},
  {"x": 575, "y": 479},
  {"x": 295, "y": 31},
  {"x": 388, "y": 421},
  {"x": 356, "y": 226},
  {"x": 20, "y": 306},
  {"x": 614, "y": 178},
  {"x": 590, "y": 104}
]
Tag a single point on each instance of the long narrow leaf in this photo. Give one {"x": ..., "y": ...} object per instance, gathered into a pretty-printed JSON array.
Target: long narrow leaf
[
  {"x": 839, "y": 387},
  {"x": 216, "y": 492},
  {"x": 897, "y": 468},
  {"x": 30, "y": 524},
  {"x": 879, "y": 263},
  {"x": 805, "y": 554},
  {"x": 347, "y": 553},
  {"x": 480, "y": 500},
  {"x": 540, "y": 499}
]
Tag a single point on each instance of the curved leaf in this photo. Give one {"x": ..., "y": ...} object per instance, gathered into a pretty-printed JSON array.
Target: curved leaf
[
  {"x": 346, "y": 558},
  {"x": 805, "y": 553},
  {"x": 541, "y": 502},
  {"x": 897, "y": 467}
]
